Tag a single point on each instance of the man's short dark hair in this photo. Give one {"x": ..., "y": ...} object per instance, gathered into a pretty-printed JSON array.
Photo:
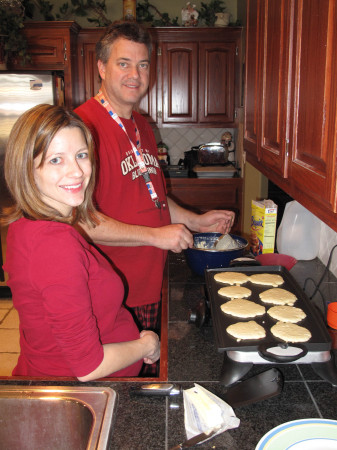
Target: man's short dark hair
[{"x": 132, "y": 31}]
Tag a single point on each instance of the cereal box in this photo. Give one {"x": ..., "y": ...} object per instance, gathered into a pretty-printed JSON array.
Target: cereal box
[{"x": 263, "y": 227}]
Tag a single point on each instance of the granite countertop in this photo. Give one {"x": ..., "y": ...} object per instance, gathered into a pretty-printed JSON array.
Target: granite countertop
[{"x": 158, "y": 423}]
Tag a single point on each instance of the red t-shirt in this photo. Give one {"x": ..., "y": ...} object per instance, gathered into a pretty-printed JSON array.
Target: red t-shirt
[
  {"x": 121, "y": 193},
  {"x": 68, "y": 298}
]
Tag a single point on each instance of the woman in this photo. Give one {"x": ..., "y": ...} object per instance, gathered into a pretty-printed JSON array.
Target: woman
[{"x": 69, "y": 299}]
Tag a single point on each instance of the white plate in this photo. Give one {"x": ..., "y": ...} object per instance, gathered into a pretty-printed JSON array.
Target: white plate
[{"x": 304, "y": 434}]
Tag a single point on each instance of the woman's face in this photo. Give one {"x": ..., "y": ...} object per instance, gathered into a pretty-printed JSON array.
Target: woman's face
[{"x": 65, "y": 173}]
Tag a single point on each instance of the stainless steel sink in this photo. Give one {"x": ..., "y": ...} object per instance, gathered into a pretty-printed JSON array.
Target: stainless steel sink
[{"x": 57, "y": 418}]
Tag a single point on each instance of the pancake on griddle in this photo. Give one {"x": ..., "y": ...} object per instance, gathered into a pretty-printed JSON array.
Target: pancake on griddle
[
  {"x": 290, "y": 332},
  {"x": 268, "y": 279},
  {"x": 278, "y": 296},
  {"x": 231, "y": 277},
  {"x": 285, "y": 313},
  {"x": 246, "y": 330},
  {"x": 239, "y": 307},
  {"x": 234, "y": 292}
]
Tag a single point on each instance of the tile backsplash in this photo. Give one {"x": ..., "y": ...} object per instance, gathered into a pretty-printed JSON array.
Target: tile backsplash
[{"x": 180, "y": 140}]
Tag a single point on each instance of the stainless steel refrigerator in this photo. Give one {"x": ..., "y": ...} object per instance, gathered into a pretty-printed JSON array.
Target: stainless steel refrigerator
[{"x": 18, "y": 93}]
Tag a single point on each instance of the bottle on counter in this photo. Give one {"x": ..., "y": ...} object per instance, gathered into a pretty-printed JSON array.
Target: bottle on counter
[
  {"x": 299, "y": 232},
  {"x": 163, "y": 153},
  {"x": 332, "y": 323},
  {"x": 129, "y": 9}
]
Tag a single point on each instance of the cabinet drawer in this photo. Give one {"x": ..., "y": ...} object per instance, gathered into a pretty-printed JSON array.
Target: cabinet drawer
[
  {"x": 51, "y": 45},
  {"x": 47, "y": 50},
  {"x": 201, "y": 195},
  {"x": 47, "y": 53}
]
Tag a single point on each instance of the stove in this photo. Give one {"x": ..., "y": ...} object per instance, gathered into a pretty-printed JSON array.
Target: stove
[{"x": 240, "y": 356}]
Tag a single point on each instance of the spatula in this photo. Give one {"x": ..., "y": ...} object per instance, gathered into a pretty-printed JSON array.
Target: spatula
[
  {"x": 257, "y": 388},
  {"x": 225, "y": 242}
]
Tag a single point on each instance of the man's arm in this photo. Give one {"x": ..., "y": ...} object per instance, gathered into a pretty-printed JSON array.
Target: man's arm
[
  {"x": 219, "y": 221},
  {"x": 175, "y": 237}
]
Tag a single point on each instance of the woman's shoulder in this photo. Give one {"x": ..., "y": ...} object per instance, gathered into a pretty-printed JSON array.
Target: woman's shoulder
[{"x": 44, "y": 229}]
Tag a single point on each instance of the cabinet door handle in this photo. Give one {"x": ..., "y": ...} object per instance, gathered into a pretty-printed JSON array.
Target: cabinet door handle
[{"x": 160, "y": 114}]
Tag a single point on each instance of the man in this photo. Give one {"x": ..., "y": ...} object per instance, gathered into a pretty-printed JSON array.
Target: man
[{"x": 130, "y": 190}]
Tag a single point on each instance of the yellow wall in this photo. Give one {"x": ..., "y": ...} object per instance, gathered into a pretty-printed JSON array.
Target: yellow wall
[
  {"x": 173, "y": 8},
  {"x": 255, "y": 188}
]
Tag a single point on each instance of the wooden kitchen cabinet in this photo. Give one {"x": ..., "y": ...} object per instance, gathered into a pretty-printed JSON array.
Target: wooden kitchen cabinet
[
  {"x": 52, "y": 46},
  {"x": 88, "y": 76},
  {"x": 204, "y": 194},
  {"x": 198, "y": 76},
  {"x": 217, "y": 68},
  {"x": 179, "y": 82},
  {"x": 290, "y": 99},
  {"x": 195, "y": 75},
  {"x": 267, "y": 58}
]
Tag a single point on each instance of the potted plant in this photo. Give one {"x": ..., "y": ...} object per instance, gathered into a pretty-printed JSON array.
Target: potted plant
[
  {"x": 208, "y": 11},
  {"x": 13, "y": 44}
]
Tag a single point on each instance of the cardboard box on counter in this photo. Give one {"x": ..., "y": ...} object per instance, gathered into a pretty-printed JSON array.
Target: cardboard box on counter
[{"x": 263, "y": 227}]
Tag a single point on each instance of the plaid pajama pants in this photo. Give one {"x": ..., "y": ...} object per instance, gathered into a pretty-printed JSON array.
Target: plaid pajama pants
[{"x": 148, "y": 318}]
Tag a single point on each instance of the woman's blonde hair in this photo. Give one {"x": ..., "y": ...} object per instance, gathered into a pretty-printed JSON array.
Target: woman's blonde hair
[{"x": 30, "y": 137}]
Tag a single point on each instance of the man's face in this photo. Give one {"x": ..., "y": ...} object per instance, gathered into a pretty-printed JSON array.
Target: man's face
[{"x": 125, "y": 77}]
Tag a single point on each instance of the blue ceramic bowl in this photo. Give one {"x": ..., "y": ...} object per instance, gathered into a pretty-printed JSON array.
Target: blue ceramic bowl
[{"x": 207, "y": 257}]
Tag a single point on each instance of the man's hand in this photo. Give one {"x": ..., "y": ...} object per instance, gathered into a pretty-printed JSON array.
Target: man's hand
[
  {"x": 220, "y": 221},
  {"x": 175, "y": 237}
]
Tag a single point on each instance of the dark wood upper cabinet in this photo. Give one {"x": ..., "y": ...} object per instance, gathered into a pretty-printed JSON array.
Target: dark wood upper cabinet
[
  {"x": 88, "y": 76},
  {"x": 313, "y": 143},
  {"x": 198, "y": 76},
  {"x": 53, "y": 47},
  {"x": 267, "y": 83},
  {"x": 179, "y": 82},
  {"x": 195, "y": 75},
  {"x": 252, "y": 87},
  {"x": 217, "y": 68},
  {"x": 290, "y": 98}
]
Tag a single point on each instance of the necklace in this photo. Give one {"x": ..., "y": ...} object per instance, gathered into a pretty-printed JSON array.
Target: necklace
[{"x": 137, "y": 151}]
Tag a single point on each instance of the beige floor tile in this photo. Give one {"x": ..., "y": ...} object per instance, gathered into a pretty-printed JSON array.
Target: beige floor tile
[
  {"x": 11, "y": 320},
  {"x": 7, "y": 363},
  {"x": 3, "y": 313},
  {"x": 9, "y": 341},
  {"x": 6, "y": 304}
]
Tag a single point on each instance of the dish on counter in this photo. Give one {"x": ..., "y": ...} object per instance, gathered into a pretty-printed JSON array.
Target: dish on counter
[{"x": 304, "y": 434}]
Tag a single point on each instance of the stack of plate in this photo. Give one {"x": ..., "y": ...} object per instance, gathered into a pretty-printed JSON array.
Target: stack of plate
[{"x": 214, "y": 171}]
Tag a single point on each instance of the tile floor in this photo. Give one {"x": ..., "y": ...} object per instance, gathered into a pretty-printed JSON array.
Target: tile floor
[
  {"x": 9, "y": 337},
  {"x": 9, "y": 327}
]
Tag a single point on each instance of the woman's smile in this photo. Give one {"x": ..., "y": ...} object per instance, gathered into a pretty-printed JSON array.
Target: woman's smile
[
  {"x": 73, "y": 187},
  {"x": 66, "y": 170}
]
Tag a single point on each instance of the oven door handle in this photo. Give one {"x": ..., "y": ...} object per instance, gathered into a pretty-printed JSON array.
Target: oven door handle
[{"x": 282, "y": 353}]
